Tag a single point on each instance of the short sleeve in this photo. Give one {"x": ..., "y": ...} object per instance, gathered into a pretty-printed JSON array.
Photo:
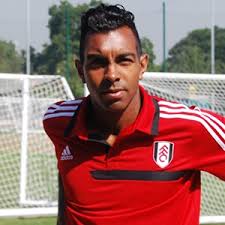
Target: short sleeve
[{"x": 208, "y": 152}]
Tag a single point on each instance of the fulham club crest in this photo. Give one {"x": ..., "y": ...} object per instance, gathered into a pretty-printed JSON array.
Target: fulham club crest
[{"x": 163, "y": 153}]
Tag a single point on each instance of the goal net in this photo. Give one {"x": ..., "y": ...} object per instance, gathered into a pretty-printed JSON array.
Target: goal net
[
  {"x": 204, "y": 91},
  {"x": 28, "y": 173}
]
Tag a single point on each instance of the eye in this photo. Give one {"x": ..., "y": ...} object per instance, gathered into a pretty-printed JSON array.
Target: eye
[
  {"x": 96, "y": 62},
  {"x": 125, "y": 61}
]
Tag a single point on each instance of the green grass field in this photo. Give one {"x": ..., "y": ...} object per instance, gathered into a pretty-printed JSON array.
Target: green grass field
[
  {"x": 30, "y": 221},
  {"x": 37, "y": 221}
]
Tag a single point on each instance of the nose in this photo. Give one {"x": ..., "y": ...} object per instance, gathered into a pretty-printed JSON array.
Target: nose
[{"x": 111, "y": 73}]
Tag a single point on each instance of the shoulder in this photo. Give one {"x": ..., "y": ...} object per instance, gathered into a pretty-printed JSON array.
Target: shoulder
[
  {"x": 193, "y": 113},
  {"x": 59, "y": 114},
  {"x": 62, "y": 109},
  {"x": 200, "y": 122}
]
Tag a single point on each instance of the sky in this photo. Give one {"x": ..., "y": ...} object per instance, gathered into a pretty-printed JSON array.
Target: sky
[{"x": 182, "y": 16}]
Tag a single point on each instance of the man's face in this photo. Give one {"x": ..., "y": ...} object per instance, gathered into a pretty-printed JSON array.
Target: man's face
[{"x": 112, "y": 68}]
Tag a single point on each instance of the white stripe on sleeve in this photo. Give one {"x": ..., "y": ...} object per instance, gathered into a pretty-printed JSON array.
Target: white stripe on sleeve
[{"x": 61, "y": 114}]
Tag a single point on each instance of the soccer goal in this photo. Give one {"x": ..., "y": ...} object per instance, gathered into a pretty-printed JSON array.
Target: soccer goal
[
  {"x": 205, "y": 91},
  {"x": 28, "y": 173}
]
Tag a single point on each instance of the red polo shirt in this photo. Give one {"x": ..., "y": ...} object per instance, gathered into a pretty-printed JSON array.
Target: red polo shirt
[{"x": 150, "y": 175}]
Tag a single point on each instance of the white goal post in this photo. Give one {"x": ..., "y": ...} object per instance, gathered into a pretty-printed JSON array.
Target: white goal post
[
  {"x": 204, "y": 91},
  {"x": 28, "y": 173}
]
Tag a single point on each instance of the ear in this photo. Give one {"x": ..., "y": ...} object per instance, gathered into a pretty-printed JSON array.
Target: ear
[
  {"x": 80, "y": 71},
  {"x": 144, "y": 64}
]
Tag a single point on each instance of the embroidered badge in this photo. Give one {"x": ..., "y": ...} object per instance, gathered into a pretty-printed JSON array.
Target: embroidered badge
[{"x": 163, "y": 153}]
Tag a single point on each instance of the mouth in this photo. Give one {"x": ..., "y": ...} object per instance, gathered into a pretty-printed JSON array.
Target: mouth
[{"x": 113, "y": 93}]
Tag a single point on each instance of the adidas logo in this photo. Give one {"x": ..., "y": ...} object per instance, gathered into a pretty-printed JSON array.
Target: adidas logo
[{"x": 66, "y": 154}]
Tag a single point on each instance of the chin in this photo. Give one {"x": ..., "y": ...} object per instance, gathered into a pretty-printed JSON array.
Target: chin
[{"x": 115, "y": 107}]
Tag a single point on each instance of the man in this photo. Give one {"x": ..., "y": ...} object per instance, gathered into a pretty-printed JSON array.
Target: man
[{"x": 125, "y": 157}]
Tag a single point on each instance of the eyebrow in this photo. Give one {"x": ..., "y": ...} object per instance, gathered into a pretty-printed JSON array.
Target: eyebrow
[
  {"x": 94, "y": 56},
  {"x": 127, "y": 55}
]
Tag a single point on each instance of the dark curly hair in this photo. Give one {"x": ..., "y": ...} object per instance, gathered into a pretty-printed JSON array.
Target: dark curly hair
[{"x": 105, "y": 18}]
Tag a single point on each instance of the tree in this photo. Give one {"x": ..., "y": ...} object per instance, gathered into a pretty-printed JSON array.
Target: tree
[
  {"x": 10, "y": 60},
  {"x": 191, "y": 59},
  {"x": 58, "y": 56},
  {"x": 34, "y": 60},
  {"x": 147, "y": 47},
  {"x": 193, "y": 53}
]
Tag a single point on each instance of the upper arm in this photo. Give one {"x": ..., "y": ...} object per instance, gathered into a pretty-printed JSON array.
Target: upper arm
[
  {"x": 61, "y": 202},
  {"x": 209, "y": 144}
]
